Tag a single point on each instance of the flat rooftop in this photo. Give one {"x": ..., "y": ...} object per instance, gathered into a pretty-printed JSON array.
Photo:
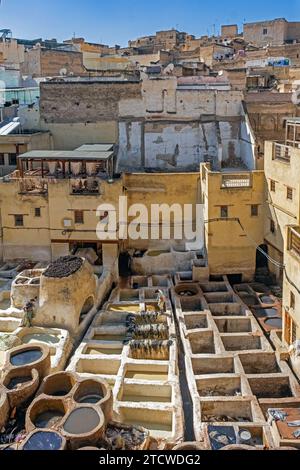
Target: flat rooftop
[
  {"x": 95, "y": 148},
  {"x": 65, "y": 155}
]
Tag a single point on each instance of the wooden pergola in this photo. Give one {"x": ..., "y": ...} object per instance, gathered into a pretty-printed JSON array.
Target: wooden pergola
[{"x": 36, "y": 161}]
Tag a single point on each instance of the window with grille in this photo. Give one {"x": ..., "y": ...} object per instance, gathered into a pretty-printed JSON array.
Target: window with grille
[
  {"x": 292, "y": 300},
  {"x": 19, "y": 220},
  {"x": 265, "y": 31},
  {"x": 289, "y": 193},
  {"x": 272, "y": 186},
  {"x": 1, "y": 158},
  {"x": 254, "y": 210},
  {"x": 37, "y": 212},
  {"x": 272, "y": 226},
  {"x": 294, "y": 331},
  {"x": 79, "y": 217},
  {"x": 224, "y": 212}
]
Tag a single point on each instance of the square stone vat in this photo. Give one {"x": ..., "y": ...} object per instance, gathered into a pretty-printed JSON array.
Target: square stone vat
[
  {"x": 107, "y": 350},
  {"x": 259, "y": 363},
  {"x": 195, "y": 321},
  {"x": 147, "y": 372},
  {"x": 158, "y": 421},
  {"x": 202, "y": 342},
  {"x": 226, "y": 410},
  {"x": 270, "y": 387},
  {"x": 145, "y": 393},
  {"x": 233, "y": 325},
  {"x": 98, "y": 366},
  {"x": 213, "y": 365},
  {"x": 241, "y": 342},
  {"x": 229, "y": 385}
]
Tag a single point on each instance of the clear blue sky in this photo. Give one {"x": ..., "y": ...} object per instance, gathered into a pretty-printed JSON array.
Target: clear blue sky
[{"x": 116, "y": 21}]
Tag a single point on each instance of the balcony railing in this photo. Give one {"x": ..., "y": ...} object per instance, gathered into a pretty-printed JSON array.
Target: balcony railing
[
  {"x": 33, "y": 186},
  {"x": 281, "y": 152},
  {"x": 236, "y": 181},
  {"x": 294, "y": 240},
  {"x": 84, "y": 187}
]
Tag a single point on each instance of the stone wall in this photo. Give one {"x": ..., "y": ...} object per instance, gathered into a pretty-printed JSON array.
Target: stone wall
[{"x": 89, "y": 101}]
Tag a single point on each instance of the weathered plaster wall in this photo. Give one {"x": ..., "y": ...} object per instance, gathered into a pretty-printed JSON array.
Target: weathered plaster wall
[{"x": 172, "y": 128}]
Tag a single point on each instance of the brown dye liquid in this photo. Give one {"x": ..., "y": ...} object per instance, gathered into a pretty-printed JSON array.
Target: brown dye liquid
[
  {"x": 81, "y": 421},
  {"x": 124, "y": 308},
  {"x": 141, "y": 375},
  {"x": 16, "y": 381},
  {"x": 48, "y": 418},
  {"x": 109, "y": 337},
  {"x": 108, "y": 351},
  {"x": 139, "y": 398}
]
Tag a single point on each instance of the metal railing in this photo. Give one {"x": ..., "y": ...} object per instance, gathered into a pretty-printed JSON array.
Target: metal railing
[
  {"x": 294, "y": 240},
  {"x": 281, "y": 152},
  {"x": 83, "y": 187},
  {"x": 236, "y": 181},
  {"x": 33, "y": 186}
]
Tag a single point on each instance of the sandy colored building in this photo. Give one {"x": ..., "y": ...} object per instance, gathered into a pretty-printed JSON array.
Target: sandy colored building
[
  {"x": 282, "y": 234},
  {"x": 275, "y": 32},
  {"x": 11, "y": 52},
  {"x": 14, "y": 144},
  {"x": 43, "y": 62}
]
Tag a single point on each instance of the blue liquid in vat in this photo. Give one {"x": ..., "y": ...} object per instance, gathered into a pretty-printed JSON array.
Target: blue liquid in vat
[
  {"x": 26, "y": 357},
  {"x": 43, "y": 441}
]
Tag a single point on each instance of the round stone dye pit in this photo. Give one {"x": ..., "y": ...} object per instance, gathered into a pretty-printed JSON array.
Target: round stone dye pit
[
  {"x": 16, "y": 382},
  {"x": 26, "y": 357},
  {"x": 81, "y": 421},
  {"x": 48, "y": 418},
  {"x": 91, "y": 398},
  {"x": 44, "y": 441}
]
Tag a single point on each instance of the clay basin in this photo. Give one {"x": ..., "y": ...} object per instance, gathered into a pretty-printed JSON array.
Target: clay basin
[
  {"x": 44, "y": 440},
  {"x": 187, "y": 290},
  {"x": 21, "y": 384},
  {"x": 95, "y": 392},
  {"x": 4, "y": 407},
  {"x": 189, "y": 446},
  {"x": 31, "y": 356},
  {"x": 45, "y": 413},
  {"x": 89, "y": 448},
  {"x": 59, "y": 384},
  {"x": 84, "y": 425},
  {"x": 238, "y": 447}
]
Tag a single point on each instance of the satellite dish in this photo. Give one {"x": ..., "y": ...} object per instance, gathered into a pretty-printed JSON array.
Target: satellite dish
[{"x": 63, "y": 72}]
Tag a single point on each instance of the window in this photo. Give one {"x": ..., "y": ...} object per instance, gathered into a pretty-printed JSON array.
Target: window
[
  {"x": 294, "y": 332},
  {"x": 37, "y": 212},
  {"x": 1, "y": 158},
  {"x": 79, "y": 218},
  {"x": 272, "y": 226},
  {"x": 12, "y": 159},
  {"x": 254, "y": 210},
  {"x": 272, "y": 186},
  {"x": 265, "y": 31},
  {"x": 289, "y": 193},
  {"x": 224, "y": 212},
  {"x": 292, "y": 300},
  {"x": 19, "y": 220}
]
